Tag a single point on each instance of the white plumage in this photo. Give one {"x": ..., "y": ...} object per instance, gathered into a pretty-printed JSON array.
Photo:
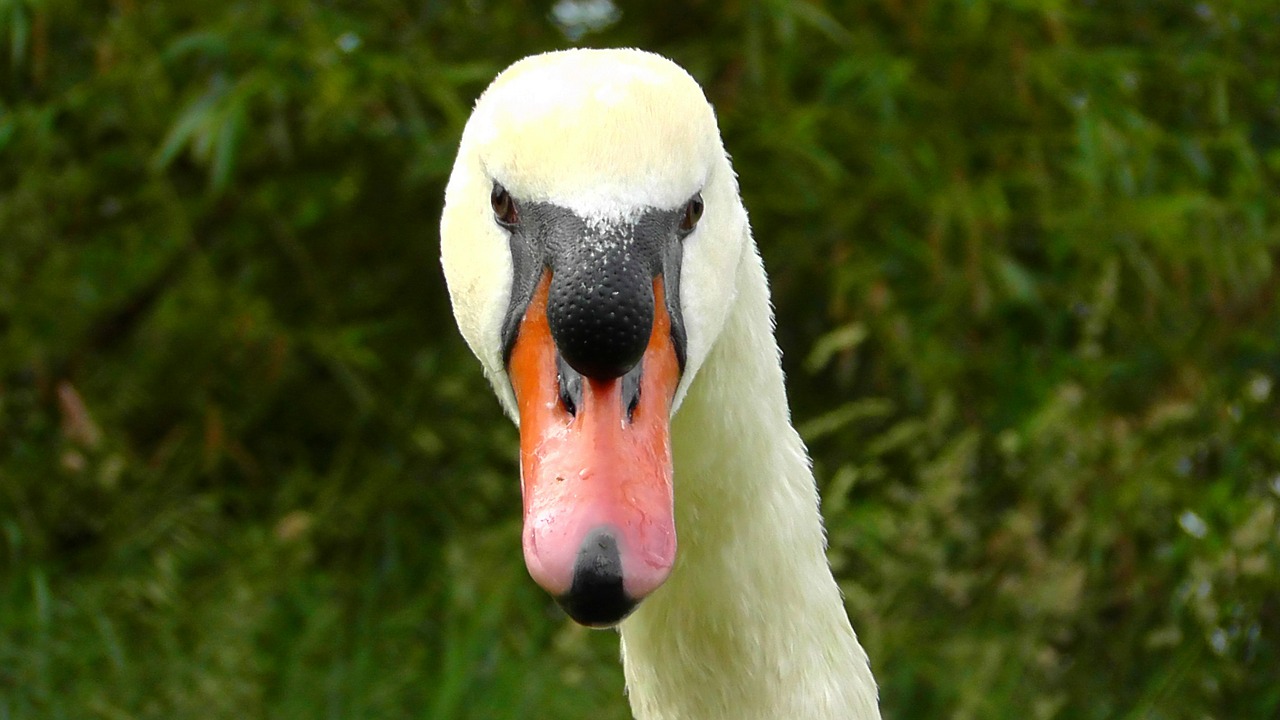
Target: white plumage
[{"x": 750, "y": 623}]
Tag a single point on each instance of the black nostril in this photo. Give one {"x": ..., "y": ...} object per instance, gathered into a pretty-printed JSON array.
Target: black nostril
[
  {"x": 631, "y": 390},
  {"x": 570, "y": 383},
  {"x": 596, "y": 598}
]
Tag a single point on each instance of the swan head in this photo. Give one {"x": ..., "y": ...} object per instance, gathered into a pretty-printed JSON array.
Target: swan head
[{"x": 590, "y": 239}]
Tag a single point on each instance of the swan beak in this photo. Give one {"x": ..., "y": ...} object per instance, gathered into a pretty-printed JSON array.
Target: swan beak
[{"x": 599, "y": 526}]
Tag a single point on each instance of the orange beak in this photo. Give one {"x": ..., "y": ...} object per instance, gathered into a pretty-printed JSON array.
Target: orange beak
[{"x": 599, "y": 527}]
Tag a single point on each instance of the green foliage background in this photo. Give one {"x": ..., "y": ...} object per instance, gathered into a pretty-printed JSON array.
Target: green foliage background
[{"x": 1024, "y": 257}]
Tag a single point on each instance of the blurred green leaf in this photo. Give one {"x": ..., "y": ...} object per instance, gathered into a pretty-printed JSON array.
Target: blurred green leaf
[{"x": 1024, "y": 262}]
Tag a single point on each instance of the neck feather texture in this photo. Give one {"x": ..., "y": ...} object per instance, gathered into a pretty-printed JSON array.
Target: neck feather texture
[{"x": 750, "y": 625}]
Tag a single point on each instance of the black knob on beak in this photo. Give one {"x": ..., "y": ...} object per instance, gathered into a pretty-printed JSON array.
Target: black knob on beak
[{"x": 600, "y": 307}]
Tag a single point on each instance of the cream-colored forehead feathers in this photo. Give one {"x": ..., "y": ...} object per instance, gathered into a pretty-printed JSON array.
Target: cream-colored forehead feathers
[{"x": 597, "y": 131}]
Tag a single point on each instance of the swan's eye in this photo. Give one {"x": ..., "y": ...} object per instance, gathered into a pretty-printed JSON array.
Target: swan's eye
[
  {"x": 692, "y": 213},
  {"x": 504, "y": 208}
]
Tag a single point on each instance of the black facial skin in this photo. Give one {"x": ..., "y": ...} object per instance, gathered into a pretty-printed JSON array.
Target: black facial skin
[{"x": 600, "y": 305}]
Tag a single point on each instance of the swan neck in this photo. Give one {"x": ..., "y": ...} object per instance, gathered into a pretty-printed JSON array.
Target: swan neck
[{"x": 751, "y": 623}]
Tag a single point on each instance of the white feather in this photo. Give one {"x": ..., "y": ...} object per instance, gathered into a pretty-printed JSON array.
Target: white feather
[{"x": 750, "y": 623}]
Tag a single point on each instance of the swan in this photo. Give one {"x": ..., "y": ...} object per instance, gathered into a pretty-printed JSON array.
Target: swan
[{"x": 601, "y": 268}]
